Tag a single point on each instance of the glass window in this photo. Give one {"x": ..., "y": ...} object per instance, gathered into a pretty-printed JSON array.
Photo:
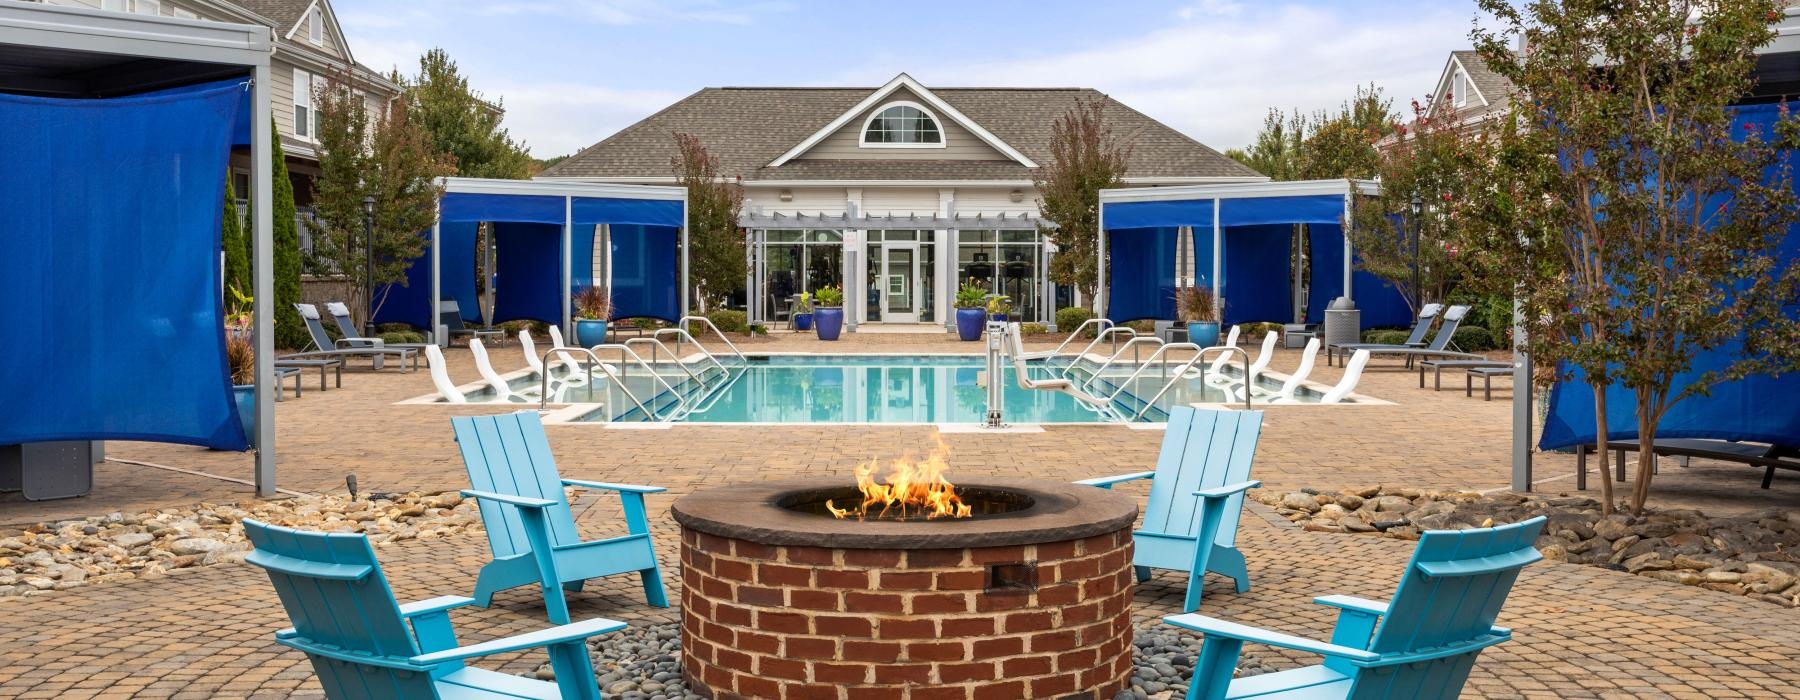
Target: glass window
[
  {"x": 900, "y": 236},
  {"x": 902, "y": 124},
  {"x": 976, "y": 236},
  {"x": 799, "y": 261},
  {"x": 149, "y": 7},
  {"x": 303, "y": 97},
  {"x": 315, "y": 26},
  {"x": 782, "y": 236},
  {"x": 114, "y": 5},
  {"x": 1018, "y": 236}
]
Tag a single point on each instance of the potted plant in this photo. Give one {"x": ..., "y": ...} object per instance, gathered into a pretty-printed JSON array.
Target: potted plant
[
  {"x": 1202, "y": 312},
  {"x": 998, "y": 306},
  {"x": 828, "y": 317},
  {"x": 593, "y": 308},
  {"x": 803, "y": 312},
  {"x": 970, "y": 312},
  {"x": 240, "y": 360}
]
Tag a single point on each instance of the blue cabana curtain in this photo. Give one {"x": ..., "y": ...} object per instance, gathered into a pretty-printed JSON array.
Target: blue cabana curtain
[
  {"x": 1760, "y": 408},
  {"x": 1258, "y": 284},
  {"x": 1380, "y": 303},
  {"x": 110, "y": 222},
  {"x": 645, "y": 270},
  {"x": 457, "y": 255},
  {"x": 517, "y": 208},
  {"x": 642, "y": 212},
  {"x": 1127, "y": 216},
  {"x": 528, "y": 272},
  {"x": 1140, "y": 283}
]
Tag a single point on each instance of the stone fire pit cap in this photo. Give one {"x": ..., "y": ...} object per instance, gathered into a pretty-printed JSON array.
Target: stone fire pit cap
[{"x": 1060, "y": 511}]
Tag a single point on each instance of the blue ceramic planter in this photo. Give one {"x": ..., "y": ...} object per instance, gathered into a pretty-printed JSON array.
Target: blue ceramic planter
[
  {"x": 969, "y": 323},
  {"x": 828, "y": 322},
  {"x": 245, "y": 396},
  {"x": 1203, "y": 333},
  {"x": 803, "y": 322},
  {"x": 590, "y": 332}
]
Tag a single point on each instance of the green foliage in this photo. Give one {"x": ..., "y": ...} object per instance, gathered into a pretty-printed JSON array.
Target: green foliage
[
  {"x": 729, "y": 321},
  {"x": 235, "y": 243},
  {"x": 829, "y": 297},
  {"x": 1142, "y": 327},
  {"x": 999, "y": 304},
  {"x": 398, "y": 337},
  {"x": 1385, "y": 336},
  {"x": 1033, "y": 329},
  {"x": 971, "y": 296},
  {"x": 647, "y": 323},
  {"x": 716, "y": 261},
  {"x": 460, "y": 124},
  {"x": 803, "y": 304},
  {"x": 1473, "y": 339},
  {"x": 593, "y": 303},
  {"x": 1625, "y": 281},
  {"x": 1198, "y": 304},
  {"x": 759, "y": 329},
  {"x": 1069, "y": 317},
  {"x": 1321, "y": 145},
  {"x": 387, "y": 157},
  {"x": 1085, "y": 157},
  {"x": 290, "y": 329}
]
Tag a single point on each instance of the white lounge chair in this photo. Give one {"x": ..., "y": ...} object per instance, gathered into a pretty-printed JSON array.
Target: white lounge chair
[
  {"x": 1307, "y": 358},
  {"x": 502, "y": 391},
  {"x": 1352, "y": 375},
  {"x": 1231, "y": 339},
  {"x": 440, "y": 377}
]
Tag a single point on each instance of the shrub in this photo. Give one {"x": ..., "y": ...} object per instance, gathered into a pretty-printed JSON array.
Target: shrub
[
  {"x": 758, "y": 329},
  {"x": 648, "y": 323},
  {"x": 399, "y": 337},
  {"x": 1385, "y": 336},
  {"x": 593, "y": 303},
  {"x": 730, "y": 321},
  {"x": 1143, "y": 327},
  {"x": 1473, "y": 339},
  {"x": 1033, "y": 329},
  {"x": 1067, "y": 318},
  {"x": 512, "y": 328},
  {"x": 829, "y": 297},
  {"x": 971, "y": 296}
]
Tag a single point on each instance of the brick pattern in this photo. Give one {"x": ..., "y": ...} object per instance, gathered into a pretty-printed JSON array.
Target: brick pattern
[{"x": 850, "y": 624}]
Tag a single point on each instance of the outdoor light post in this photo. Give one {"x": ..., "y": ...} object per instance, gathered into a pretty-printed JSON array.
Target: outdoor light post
[
  {"x": 369, "y": 265},
  {"x": 1418, "y": 208}
]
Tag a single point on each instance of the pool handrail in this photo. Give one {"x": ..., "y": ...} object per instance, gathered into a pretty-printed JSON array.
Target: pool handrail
[
  {"x": 681, "y": 401},
  {"x": 1104, "y": 324},
  {"x": 1120, "y": 353},
  {"x": 682, "y": 324},
  {"x": 544, "y": 380},
  {"x": 656, "y": 344},
  {"x": 1102, "y": 336},
  {"x": 1227, "y": 349},
  {"x": 682, "y": 333},
  {"x": 1146, "y": 365}
]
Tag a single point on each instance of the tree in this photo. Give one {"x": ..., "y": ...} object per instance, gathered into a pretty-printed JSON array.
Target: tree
[
  {"x": 1297, "y": 146},
  {"x": 290, "y": 329},
  {"x": 1636, "y": 225},
  {"x": 236, "y": 246},
  {"x": 461, "y": 124},
  {"x": 1411, "y": 235},
  {"x": 1085, "y": 157},
  {"x": 1276, "y": 151},
  {"x": 385, "y": 156},
  {"x": 716, "y": 261}
]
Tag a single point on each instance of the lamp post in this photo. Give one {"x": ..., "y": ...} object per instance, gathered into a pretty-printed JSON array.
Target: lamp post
[
  {"x": 369, "y": 265},
  {"x": 1418, "y": 208}
]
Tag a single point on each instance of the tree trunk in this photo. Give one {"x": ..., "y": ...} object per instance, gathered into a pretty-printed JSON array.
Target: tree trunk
[
  {"x": 1606, "y": 485},
  {"x": 1640, "y": 491}
]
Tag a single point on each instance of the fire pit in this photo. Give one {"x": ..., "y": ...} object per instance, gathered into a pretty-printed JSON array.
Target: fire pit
[{"x": 998, "y": 589}]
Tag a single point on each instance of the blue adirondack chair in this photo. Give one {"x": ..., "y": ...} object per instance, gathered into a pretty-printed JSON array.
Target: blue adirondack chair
[
  {"x": 364, "y": 644},
  {"x": 1440, "y": 619},
  {"x": 530, "y": 528},
  {"x": 1196, "y": 495}
]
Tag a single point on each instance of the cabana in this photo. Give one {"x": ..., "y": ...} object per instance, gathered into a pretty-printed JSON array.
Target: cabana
[
  {"x": 1244, "y": 239},
  {"x": 545, "y": 235},
  {"x": 119, "y": 131}
]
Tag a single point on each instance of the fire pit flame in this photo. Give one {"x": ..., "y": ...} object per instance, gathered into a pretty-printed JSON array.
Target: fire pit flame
[{"x": 912, "y": 489}]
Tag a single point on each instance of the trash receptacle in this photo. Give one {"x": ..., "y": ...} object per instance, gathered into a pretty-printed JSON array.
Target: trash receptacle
[{"x": 1343, "y": 323}]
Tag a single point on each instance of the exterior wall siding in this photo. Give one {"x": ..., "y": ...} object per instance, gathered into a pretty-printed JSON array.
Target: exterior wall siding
[
  {"x": 959, "y": 143},
  {"x": 901, "y": 201}
]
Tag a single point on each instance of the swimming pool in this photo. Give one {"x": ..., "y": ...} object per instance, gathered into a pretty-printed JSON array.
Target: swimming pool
[{"x": 892, "y": 389}]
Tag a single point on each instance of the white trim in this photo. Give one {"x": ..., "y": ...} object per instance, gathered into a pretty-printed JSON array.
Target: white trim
[
  {"x": 1149, "y": 181},
  {"x": 477, "y": 185},
  {"x": 312, "y": 110},
  {"x": 1295, "y": 188},
  {"x": 862, "y": 137},
  {"x": 1451, "y": 67},
  {"x": 315, "y": 25},
  {"x": 880, "y": 95}
]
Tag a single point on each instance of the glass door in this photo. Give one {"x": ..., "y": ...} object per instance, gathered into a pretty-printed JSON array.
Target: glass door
[{"x": 900, "y": 282}]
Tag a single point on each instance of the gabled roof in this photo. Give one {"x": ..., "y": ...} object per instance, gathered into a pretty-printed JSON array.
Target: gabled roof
[
  {"x": 884, "y": 92},
  {"x": 749, "y": 128},
  {"x": 1490, "y": 92}
]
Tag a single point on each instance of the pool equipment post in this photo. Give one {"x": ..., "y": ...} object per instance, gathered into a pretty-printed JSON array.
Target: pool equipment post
[{"x": 996, "y": 390}]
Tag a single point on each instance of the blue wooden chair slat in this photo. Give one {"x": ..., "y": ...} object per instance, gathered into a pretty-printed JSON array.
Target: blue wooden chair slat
[
  {"x": 508, "y": 456},
  {"x": 1202, "y": 451},
  {"x": 364, "y": 644},
  {"x": 1421, "y": 644}
]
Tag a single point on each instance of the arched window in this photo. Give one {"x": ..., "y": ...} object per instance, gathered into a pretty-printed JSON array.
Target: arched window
[{"x": 902, "y": 125}]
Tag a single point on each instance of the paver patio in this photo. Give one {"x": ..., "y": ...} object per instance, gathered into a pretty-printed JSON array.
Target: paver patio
[{"x": 1579, "y": 631}]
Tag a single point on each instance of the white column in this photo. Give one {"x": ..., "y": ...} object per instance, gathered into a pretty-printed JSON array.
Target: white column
[
  {"x": 568, "y": 265},
  {"x": 1218, "y": 261},
  {"x": 855, "y": 266},
  {"x": 1100, "y": 262},
  {"x": 1349, "y": 252},
  {"x": 262, "y": 200},
  {"x": 945, "y": 260},
  {"x": 684, "y": 256}
]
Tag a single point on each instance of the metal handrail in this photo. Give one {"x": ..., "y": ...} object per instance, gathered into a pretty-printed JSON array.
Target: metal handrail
[
  {"x": 682, "y": 333},
  {"x": 1146, "y": 365},
  {"x": 1190, "y": 365},
  {"x": 655, "y": 344},
  {"x": 712, "y": 397},
  {"x": 1115, "y": 356},
  {"x": 1097, "y": 340},
  {"x": 679, "y": 399},
  {"x": 1104, "y": 324},
  {"x": 682, "y": 324},
  {"x": 544, "y": 381}
]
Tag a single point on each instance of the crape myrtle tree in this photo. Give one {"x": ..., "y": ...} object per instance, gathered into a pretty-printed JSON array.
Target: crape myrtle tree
[
  {"x": 1410, "y": 235},
  {"x": 716, "y": 261},
  {"x": 381, "y": 154},
  {"x": 1086, "y": 156},
  {"x": 1637, "y": 226}
]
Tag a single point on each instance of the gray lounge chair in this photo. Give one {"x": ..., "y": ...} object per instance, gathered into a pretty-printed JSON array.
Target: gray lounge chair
[
  {"x": 371, "y": 348},
  {"x": 450, "y": 317},
  {"x": 340, "y": 312},
  {"x": 1427, "y": 315},
  {"x": 1439, "y": 346}
]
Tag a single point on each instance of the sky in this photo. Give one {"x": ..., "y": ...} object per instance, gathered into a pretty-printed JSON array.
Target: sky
[{"x": 571, "y": 72}]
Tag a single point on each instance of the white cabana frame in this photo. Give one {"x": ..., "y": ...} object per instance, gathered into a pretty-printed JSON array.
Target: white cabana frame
[
  {"x": 567, "y": 190},
  {"x": 179, "y": 51},
  {"x": 1348, "y": 189}
]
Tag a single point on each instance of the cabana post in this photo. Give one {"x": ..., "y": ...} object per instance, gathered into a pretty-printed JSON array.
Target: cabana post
[{"x": 262, "y": 190}]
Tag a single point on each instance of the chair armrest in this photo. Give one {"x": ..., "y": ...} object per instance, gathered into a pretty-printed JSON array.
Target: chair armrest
[
  {"x": 629, "y": 488},
  {"x": 1227, "y": 491},
  {"x": 373, "y": 342},
  {"x": 1214, "y": 627},
  {"x": 1106, "y": 482},
  {"x": 435, "y": 605},
  {"x": 520, "y": 501},
  {"x": 530, "y": 640},
  {"x": 1353, "y": 603}
]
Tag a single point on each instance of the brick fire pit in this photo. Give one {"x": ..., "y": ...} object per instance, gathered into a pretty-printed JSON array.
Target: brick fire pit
[{"x": 1030, "y": 597}]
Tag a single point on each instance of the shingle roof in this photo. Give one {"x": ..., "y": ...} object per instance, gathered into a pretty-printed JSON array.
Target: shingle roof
[
  {"x": 285, "y": 13},
  {"x": 747, "y": 128},
  {"x": 1494, "y": 88}
]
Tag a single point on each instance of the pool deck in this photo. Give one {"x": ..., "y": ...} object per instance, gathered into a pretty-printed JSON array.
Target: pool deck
[{"x": 207, "y": 632}]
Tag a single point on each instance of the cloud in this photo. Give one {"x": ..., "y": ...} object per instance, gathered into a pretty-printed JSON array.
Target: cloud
[
  {"x": 562, "y": 118},
  {"x": 1215, "y": 79},
  {"x": 1210, "y": 8},
  {"x": 621, "y": 12}
]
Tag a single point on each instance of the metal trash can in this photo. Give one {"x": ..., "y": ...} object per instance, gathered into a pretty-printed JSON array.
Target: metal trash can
[{"x": 1343, "y": 323}]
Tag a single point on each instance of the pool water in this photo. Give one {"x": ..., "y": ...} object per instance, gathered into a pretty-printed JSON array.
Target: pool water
[{"x": 888, "y": 389}]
